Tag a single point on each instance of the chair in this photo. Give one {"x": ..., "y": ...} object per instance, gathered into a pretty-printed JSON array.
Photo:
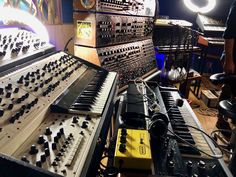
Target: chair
[{"x": 228, "y": 109}]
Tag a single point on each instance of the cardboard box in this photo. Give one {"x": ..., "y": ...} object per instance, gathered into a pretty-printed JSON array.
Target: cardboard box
[{"x": 210, "y": 97}]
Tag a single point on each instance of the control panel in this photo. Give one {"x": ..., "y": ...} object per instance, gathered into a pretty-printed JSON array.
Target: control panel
[
  {"x": 64, "y": 144},
  {"x": 129, "y": 60},
  {"x": 129, "y": 7},
  {"x": 133, "y": 149},
  {"x": 26, "y": 94},
  {"x": 99, "y": 30},
  {"x": 18, "y": 44},
  {"x": 60, "y": 144}
]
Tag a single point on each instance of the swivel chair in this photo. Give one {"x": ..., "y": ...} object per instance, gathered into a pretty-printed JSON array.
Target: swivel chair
[{"x": 227, "y": 108}]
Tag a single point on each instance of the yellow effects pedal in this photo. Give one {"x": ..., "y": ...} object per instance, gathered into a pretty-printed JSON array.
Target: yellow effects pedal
[{"x": 133, "y": 149}]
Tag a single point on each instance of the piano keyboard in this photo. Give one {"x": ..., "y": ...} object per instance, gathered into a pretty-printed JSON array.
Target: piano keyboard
[
  {"x": 87, "y": 96},
  {"x": 93, "y": 98},
  {"x": 179, "y": 118}
]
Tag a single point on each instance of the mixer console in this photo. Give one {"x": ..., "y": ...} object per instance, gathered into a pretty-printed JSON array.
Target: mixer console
[
  {"x": 129, "y": 7},
  {"x": 60, "y": 143},
  {"x": 109, "y": 29},
  {"x": 18, "y": 46}
]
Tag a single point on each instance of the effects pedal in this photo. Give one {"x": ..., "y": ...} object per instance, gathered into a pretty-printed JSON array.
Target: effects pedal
[{"x": 133, "y": 149}]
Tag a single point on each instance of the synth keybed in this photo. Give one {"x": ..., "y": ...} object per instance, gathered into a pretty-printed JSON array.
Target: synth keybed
[
  {"x": 90, "y": 97},
  {"x": 180, "y": 117},
  {"x": 94, "y": 96}
]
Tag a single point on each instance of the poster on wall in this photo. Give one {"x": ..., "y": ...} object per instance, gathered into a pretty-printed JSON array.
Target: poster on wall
[{"x": 47, "y": 11}]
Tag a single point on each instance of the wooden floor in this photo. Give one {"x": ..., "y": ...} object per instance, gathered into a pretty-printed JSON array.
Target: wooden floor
[{"x": 207, "y": 116}]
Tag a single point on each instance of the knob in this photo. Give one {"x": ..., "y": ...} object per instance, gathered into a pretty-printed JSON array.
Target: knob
[
  {"x": 20, "y": 81},
  {"x": 24, "y": 159},
  {"x": 171, "y": 166},
  {"x": 36, "y": 89},
  {"x": 58, "y": 135},
  {"x": 8, "y": 87},
  {"x": 48, "y": 131},
  {"x": 16, "y": 90},
  {"x": 54, "y": 163},
  {"x": 43, "y": 158},
  {"x": 57, "y": 159},
  {"x": 122, "y": 147},
  {"x": 189, "y": 167},
  {"x": 33, "y": 150},
  {"x": 26, "y": 95},
  {"x": 12, "y": 119},
  {"x": 84, "y": 124},
  {"x": 41, "y": 139},
  {"x": 1, "y": 112},
  {"x": 59, "y": 154},
  {"x": 47, "y": 152},
  {"x": 19, "y": 100},
  {"x": 54, "y": 146},
  {"x": 39, "y": 163},
  {"x": 10, "y": 106},
  {"x": 62, "y": 131},
  {"x": 46, "y": 145},
  {"x": 62, "y": 150},
  {"x": 202, "y": 168},
  {"x": 26, "y": 84},
  {"x": 33, "y": 80},
  {"x": 64, "y": 146},
  {"x": 74, "y": 120},
  {"x": 123, "y": 139},
  {"x": 1, "y": 91},
  {"x": 123, "y": 131},
  {"x": 56, "y": 139}
]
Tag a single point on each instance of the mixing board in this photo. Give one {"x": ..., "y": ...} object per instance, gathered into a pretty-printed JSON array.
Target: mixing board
[
  {"x": 129, "y": 7},
  {"x": 18, "y": 46},
  {"x": 109, "y": 29},
  {"x": 60, "y": 143}
]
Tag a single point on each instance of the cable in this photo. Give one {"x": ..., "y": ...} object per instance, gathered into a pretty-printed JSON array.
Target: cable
[
  {"x": 214, "y": 142},
  {"x": 181, "y": 139},
  {"x": 154, "y": 106},
  {"x": 66, "y": 46},
  {"x": 222, "y": 130},
  {"x": 207, "y": 112}
]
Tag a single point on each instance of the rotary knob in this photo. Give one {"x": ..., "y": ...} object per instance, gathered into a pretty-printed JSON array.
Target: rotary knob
[
  {"x": 39, "y": 163},
  {"x": 24, "y": 159},
  {"x": 122, "y": 147},
  {"x": 48, "y": 131},
  {"x": 123, "y": 139},
  {"x": 189, "y": 167},
  {"x": 33, "y": 150},
  {"x": 54, "y": 146},
  {"x": 47, "y": 152}
]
